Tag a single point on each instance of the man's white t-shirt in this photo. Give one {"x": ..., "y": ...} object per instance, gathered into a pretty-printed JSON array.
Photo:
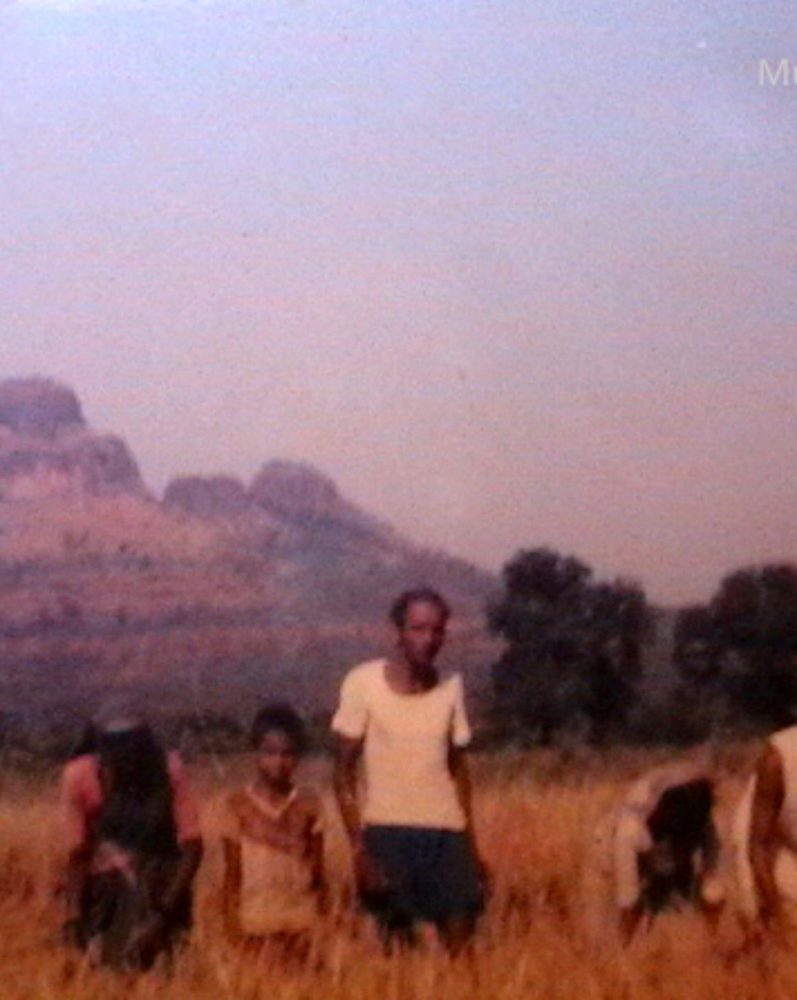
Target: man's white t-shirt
[{"x": 407, "y": 738}]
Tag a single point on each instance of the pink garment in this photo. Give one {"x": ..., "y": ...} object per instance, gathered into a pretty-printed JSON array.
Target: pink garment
[{"x": 81, "y": 797}]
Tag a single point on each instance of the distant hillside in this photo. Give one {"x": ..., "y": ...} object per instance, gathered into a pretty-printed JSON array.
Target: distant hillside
[
  {"x": 221, "y": 594},
  {"x": 46, "y": 450}
]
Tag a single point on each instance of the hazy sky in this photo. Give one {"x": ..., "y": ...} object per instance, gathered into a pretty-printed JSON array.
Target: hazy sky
[{"x": 513, "y": 273}]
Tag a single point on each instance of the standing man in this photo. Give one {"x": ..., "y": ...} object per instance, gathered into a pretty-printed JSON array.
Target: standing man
[{"x": 411, "y": 834}]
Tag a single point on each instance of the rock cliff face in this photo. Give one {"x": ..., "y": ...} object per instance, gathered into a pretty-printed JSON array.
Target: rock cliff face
[
  {"x": 48, "y": 451},
  {"x": 207, "y": 496},
  {"x": 38, "y": 406},
  {"x": 301, "y": 505},
  {"x": 305, "y": 498},
  {"x": 297, "y": 493}
]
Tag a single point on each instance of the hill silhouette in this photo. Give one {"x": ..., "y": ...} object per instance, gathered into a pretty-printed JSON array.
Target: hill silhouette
[
  {"x": 219, "y": 595},
  {"x": 46, "y": 449}
]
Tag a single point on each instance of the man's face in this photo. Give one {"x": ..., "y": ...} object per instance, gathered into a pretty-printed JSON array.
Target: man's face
[{"x": 423, "y": 633}]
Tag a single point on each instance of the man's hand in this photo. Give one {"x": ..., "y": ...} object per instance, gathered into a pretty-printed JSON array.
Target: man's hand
[
  {"x": 485, "y": 876},
  {"x": 368, "y": 873}
]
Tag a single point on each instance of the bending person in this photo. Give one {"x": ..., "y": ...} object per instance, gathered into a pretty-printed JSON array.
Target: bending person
[
  {"x": 415, "y": 857},
  {"x": 134, "y": 847},
  {"x": 660, "y": 849}
]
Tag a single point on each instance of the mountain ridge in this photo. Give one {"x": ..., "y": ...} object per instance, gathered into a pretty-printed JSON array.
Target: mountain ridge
[{"x": 221, "y": 590}]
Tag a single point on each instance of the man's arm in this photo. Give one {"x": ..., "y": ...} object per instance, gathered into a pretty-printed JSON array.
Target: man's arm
[
  {"x": 318, "y": 870},
  {"x": 767, "y": 802},
  {"x": 186, "y": 821},
  {"x": 231, "y": 887},
  {"x": 628, "y": 838},
  {"x": 367, "y": 873},
  {"x": 347, "y": 756},
  {"x": 712, "y": 892},
  {"x": 184, "y": 872},
  {"x": 314, "y": 849},
  {"x": 75, "y": 875},
  {"x": 458, "y": 766},
  {"x": 77, "y": 834},
  {"x": 151, "y": 931}
]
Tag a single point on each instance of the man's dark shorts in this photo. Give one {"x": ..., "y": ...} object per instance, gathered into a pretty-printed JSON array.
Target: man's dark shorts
[{"x": 432, "y": 875}]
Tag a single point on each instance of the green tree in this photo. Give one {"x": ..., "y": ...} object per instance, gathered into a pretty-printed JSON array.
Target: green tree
[
  {"x": 695, "y": 651},
  {"x": 572, "y": 652},
  {"x": 739, "y": 653},
  {"x": 701, "y": 700},
  {"x": 755, "y": 626}
]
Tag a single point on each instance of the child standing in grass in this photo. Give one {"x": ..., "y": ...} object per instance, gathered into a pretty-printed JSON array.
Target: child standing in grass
[{"x": 273, "y": 886}]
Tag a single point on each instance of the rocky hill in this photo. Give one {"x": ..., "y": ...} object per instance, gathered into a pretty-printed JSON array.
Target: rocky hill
[
  {"x": 46, "y": 449},
  {"x": 219, "y": 595}
]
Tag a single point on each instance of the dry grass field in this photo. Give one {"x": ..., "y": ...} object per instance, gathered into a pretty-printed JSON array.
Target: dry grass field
[{"x": 535, "y": 813}]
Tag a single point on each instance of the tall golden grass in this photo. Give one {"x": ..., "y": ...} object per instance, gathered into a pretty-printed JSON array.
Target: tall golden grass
[{"x": 535, "y": 813}]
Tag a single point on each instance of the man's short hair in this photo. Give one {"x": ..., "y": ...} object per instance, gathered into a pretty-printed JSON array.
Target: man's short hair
[
  {"x": 283, "y": 717},
  {"x": 420, "y": 595}
]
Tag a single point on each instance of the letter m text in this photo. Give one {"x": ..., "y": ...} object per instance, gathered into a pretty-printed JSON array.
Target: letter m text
[{"x": 767, "y": 76}]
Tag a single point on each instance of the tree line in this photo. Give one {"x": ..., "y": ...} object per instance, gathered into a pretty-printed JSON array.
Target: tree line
[
  {"x": 576, "y": 666},
  {"x": 574, "y": 661}
]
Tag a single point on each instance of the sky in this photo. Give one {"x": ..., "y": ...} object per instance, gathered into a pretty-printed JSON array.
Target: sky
[{"x": 514, "y": 274}]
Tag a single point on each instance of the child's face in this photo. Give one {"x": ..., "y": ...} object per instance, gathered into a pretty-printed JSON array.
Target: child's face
[{"x": 277, "y": 757}]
